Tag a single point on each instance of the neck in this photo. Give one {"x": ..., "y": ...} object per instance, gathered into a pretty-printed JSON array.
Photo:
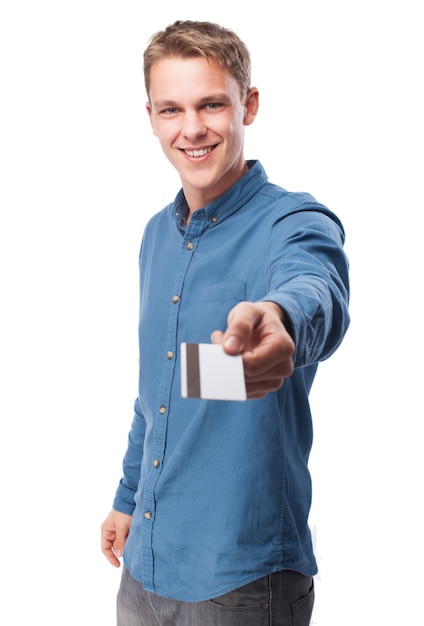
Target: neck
[{"x": 198, "y": 199}]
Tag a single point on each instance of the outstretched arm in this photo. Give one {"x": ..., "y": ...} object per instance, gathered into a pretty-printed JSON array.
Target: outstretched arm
[{"x": 259, "y": 331}]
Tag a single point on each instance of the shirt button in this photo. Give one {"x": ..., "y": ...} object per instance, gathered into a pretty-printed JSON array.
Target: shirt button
[
  {"x": 162, "y": 409},
  {"x": 189, "y": 246},
  {"x": 175, "y": 299},
  {"x": 214, "y": 219},
  {"x": 169, "y": 355},
  {"x": 148, "y": 515},
  {"x": 156, "y": 463}
]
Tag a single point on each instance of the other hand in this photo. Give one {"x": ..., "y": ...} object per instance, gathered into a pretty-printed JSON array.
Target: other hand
[{"x": 114, "y": 533}]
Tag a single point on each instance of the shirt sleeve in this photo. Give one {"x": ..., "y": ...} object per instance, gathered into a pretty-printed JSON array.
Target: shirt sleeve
[
  {"x": 124, "y": 497},
  {"x": 308, "y": 277}
]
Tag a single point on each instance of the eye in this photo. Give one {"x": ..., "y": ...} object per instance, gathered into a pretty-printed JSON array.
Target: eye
[
  {"x": 212, "y": 106},
  {"x": 170, "y": 111}
]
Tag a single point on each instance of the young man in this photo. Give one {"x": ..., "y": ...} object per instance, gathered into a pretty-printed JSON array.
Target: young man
[{"x": 212, "y": 509}]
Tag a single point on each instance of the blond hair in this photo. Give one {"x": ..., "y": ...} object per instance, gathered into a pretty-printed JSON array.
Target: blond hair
[{"x": 187, "y": 39}]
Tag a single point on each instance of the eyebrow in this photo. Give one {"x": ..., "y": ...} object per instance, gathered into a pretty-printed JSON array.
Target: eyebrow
[
  {"x": 160, "y": 104},
  {"x": 214, "y": 97}
]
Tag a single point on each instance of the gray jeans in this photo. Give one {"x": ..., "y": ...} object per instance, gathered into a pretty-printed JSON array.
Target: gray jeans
[{"x": 285, "y": 598}]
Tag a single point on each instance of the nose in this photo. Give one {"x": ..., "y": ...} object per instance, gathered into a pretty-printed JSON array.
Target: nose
[{"x": 193, "y": 127}]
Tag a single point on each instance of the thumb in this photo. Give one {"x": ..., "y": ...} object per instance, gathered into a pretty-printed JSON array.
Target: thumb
[
  {"x": 242, "y": 319},
  {"x": 119, "y": 544}
]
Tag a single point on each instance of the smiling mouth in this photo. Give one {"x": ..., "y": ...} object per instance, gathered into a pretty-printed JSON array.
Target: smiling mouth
[{"x": 198, "y": 153}]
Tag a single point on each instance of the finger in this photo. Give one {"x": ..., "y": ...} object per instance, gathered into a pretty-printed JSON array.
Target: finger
[
  {"x": 111, "y": 557},
  {"x": 275, "y": 366},
  {"x": 217, "y": 337},
  {"x": 119, "y": 544},
  {"x": 270, "y": 382},
  {"x": 108, "y": 551},
  {"x": 259, "y": 389},
  {"x": 242, "y": 319}
]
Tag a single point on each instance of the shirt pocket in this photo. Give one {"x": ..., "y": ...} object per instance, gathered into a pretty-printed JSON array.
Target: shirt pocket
[
  {"x": 223, "y": 292},
  {"x": 215, "y": 302}
]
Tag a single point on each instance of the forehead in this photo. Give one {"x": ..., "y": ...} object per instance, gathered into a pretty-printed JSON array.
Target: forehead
[{"x": 174, "y": 78}]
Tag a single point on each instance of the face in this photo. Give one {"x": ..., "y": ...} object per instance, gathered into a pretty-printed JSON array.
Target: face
[{"x": 196, "y": 112}]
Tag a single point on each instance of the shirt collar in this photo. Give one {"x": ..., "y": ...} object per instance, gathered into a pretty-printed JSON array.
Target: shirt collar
[{"x": 230, "y": 201}]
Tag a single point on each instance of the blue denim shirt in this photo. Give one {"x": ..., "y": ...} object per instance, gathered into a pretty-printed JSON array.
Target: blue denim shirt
[{"x": 219, "y": 491}]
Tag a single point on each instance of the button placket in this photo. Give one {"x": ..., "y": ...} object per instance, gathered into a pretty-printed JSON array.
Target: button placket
[{"x": 186, "y": 253}]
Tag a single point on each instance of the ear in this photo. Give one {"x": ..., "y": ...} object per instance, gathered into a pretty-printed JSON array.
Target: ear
[
  {"x": 251, "y": 106},
  {"x": 150, "y": 113}
]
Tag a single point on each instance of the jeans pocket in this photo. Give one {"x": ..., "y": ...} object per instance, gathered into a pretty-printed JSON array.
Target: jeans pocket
[
  {"x": 302, "y": 609},
  {"x": 254, "y": 595},
  {"x": 230, "y": 612}
]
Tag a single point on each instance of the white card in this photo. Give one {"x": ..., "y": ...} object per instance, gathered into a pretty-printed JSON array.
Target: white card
[{"x": 210, "y": 373}]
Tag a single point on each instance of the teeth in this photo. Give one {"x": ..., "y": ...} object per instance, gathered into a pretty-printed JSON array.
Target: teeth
[{"x": 198, "y": 153}]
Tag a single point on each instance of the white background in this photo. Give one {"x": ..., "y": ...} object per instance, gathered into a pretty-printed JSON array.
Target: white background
[{"x": 80, "y": 173}]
